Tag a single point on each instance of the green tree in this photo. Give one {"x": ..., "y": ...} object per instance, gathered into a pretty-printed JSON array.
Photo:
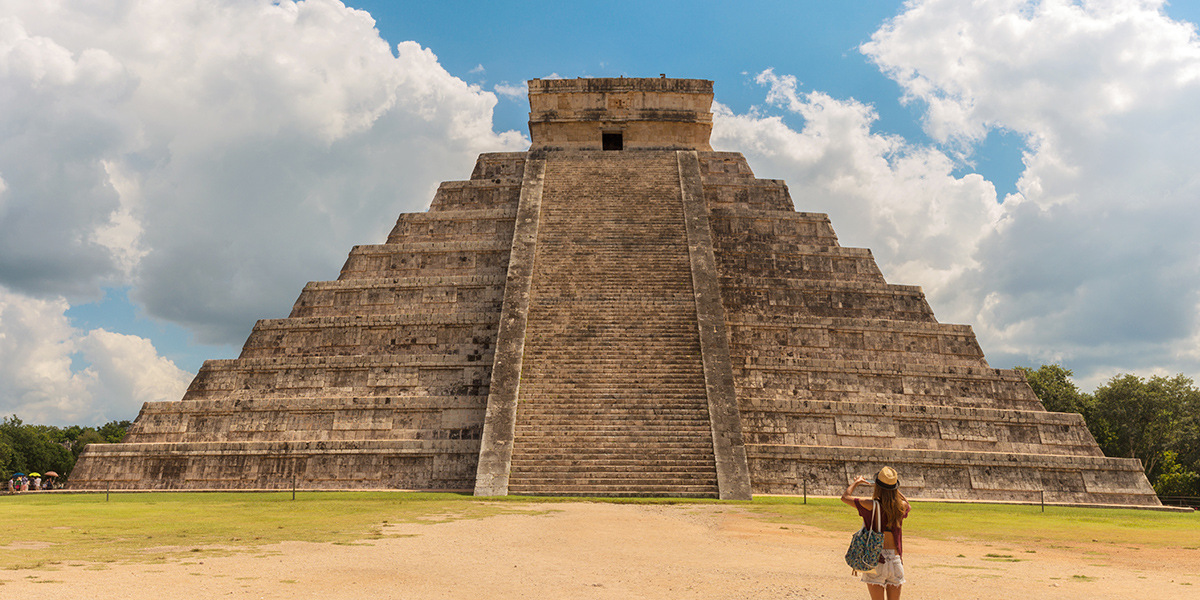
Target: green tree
[
  {"x": 1176, "y": 480},
  {"x": 1053, "y": 386},
  {"x": 8, "y": 459},
  {"x": 1144, "y": 418},
  {"x": 34, "y": 447},
  {"x": 89, "y": 436},
  {"x": 114, "y": 432}
]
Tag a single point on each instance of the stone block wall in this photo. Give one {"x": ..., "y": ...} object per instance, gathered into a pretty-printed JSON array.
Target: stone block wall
[
  {"x": 401, "y": 464},
  {"x": 573, "y": 114},
  {"x": 954, "y": 475}
]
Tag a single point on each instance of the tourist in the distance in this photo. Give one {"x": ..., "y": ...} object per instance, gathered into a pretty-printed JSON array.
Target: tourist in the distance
[{"x": 889, "y": 575}]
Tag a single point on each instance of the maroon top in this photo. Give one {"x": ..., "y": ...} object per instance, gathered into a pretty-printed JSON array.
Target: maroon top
[{"x": 895, "y": 528}]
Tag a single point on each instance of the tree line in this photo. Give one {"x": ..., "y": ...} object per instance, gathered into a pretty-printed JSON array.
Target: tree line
[
  {"x": 1156, "y": 420},
  {"x": 28, "y": 448}
]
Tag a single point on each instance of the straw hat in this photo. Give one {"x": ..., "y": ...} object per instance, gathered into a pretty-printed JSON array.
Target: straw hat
[{"x": 887, "y": 478}]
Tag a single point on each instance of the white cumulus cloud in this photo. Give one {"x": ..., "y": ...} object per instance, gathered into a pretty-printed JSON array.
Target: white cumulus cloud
[
  {"x": 210, "y": 155},
  {"x": 184, "y": 147},
  {"x": 55, "y": 373},
  {"x": 901, "y": 200},
  {"x": 1096, "y": 262}
]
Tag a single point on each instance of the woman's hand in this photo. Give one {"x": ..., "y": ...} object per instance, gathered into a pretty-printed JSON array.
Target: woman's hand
[{"x": 847, "y": 495}]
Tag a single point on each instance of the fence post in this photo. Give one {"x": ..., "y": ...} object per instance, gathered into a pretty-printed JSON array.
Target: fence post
[
  {"x": 1043, "y": 492},
  {"x": 806, "y": 491}
]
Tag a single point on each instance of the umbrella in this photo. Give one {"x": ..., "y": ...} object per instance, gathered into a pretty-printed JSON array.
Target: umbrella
[
  {"x": 18, "y": 475},
  {"x": 51, "y": 474},
  {"x": 35, "y": 474}
]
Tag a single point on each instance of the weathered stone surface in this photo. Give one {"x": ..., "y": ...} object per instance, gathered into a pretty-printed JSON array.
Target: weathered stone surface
[
  {"x": 655, "y": 114},
  {"x": 495, "y": 454},
  {"x": 652, "y": 320}
]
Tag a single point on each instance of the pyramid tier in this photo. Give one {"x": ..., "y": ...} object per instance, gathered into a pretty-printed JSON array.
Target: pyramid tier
[
  {"x": 488, "y": 225},
  {"x": 449, "y": 295},
  {"x": 853, "y": 339},
  {"x": 940, "y": 474},
  {"x": 228, "y": 465},
  {"x": 738, "y": 227},
  {"x": 469, "y": 335},
  {"x": 327, "y": 418},
  {"x": 787, "y": 422},
  {"x": 427, "y": 259},
  {"x": 810, "y": 262},
  {"x": 782, "y": 296},
  {"x": 495, "y": 183},
  {"x": 299, "y": 377}
]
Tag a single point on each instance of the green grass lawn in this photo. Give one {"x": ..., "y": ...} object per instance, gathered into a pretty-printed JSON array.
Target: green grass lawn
[
  {"x": 51, "y": 529},
  {"x": 1005, "y": 523}
]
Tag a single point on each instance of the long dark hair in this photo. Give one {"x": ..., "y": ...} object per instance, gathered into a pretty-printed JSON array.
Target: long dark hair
[{"x": 889, "y": 504}]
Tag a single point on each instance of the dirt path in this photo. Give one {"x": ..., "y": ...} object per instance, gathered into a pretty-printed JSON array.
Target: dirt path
[{"x": 582, "y": 550}]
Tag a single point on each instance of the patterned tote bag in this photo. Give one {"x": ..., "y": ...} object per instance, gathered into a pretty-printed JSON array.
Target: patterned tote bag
[{"x": 867, "y": 544}]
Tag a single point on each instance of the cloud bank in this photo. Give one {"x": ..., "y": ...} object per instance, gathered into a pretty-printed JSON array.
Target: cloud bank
[
  {"x": 1095, "y": 262},
  {"x": 182, "y": 148}
]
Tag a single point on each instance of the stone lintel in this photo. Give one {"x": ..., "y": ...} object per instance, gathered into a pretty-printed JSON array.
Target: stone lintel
[
  {"x": 733, "y": 473},
  {"x": 500, "y": 420}
]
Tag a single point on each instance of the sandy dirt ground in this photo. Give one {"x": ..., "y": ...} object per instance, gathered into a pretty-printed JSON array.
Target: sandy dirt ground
[{"x": 584, "y": 550}]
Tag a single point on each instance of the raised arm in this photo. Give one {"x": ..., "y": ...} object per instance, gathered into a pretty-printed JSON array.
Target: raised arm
[{"x": 848, "y": 495}]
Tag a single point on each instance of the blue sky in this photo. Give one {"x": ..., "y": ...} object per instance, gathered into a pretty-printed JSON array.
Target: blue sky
[{"x": 173, "y": 172}]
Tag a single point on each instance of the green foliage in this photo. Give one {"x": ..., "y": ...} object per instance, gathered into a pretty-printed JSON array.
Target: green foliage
[
  {"x": 1144, "y": 418},
  {"x": 89, "y": 436},
  {"x": 1053, "y": 386},
  {"x": 28, "y": 448},
  {"x": 8, "y": 459},
  {"x": 1156, "y": 420},
  {"x": 33, "y": 448},
  {"x": 114, "y": 432},
  {"x": 1176, "y": 480}
]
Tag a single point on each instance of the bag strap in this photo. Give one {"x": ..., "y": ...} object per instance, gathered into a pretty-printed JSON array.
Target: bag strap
[{"x": 876, "y": 517}]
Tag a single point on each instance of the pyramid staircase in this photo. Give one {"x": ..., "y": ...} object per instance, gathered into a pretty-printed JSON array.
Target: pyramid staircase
[{"x": 613, "y": 400}]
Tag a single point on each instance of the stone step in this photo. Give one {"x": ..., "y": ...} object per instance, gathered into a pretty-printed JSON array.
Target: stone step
[
  {"x": 617, "y": 460},
  {"x": 573, "y": 438},
  {"x": 619, "y": 481},
  {"x": 639, "y": 409},
  {"x": 550, "y": 456},
  {"x": 611, "y": 492},
  {"x": 616, "y": 433}
]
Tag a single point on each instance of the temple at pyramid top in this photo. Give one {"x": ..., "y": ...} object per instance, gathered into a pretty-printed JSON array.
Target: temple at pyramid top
[
  {"x": 618, "y": 311},
  {"x": 620, "y": 114}
]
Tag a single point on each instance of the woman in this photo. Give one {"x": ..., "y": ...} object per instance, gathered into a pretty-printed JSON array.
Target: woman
[{"x": 893, "y": 508}]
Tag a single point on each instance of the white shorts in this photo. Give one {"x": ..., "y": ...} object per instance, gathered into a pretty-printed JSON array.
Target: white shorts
[{"x": 888, "y": 572}]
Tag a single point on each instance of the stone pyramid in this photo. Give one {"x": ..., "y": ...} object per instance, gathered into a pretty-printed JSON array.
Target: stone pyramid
[{"x": 618, "y": 311}]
